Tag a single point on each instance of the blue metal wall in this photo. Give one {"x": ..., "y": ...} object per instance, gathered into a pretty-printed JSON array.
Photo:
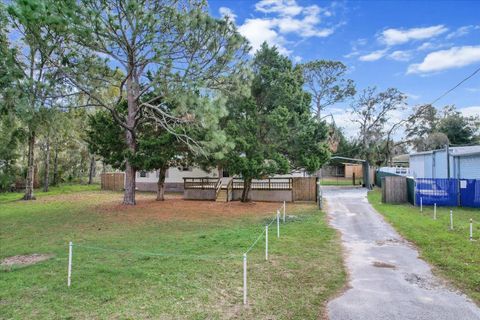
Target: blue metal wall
[{"x": 448, "y": 192}]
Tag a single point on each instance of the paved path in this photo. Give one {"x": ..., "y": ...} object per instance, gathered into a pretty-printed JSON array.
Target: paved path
[{"x": 387, "y": 279}]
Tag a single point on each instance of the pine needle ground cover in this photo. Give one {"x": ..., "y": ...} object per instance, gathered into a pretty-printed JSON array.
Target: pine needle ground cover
[
  {"x": 136, "y": 262},
  {"x": 452, "y": 254}
]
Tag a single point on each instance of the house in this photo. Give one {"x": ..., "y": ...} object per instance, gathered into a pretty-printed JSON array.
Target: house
[
  {"x": 454, "y": 162},
  {"x": 175, "y": 176},
  {"x": 147, "y": 181}
]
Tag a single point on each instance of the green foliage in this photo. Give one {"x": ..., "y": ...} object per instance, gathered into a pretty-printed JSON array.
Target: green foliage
[
  {"x": 326, "y": 82},
  {"x": 273, "y": 129},
  {"x": 11, "y": 136},
  {"x": 428, "y": 128}
]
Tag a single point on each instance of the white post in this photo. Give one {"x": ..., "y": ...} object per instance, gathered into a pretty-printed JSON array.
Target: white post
[
  {"x": 244, "y": 278},
  {"x": 284, "y": 207},
  {"x": 471, "y": 230},
  {"x": 266, "y": 242},
  {"x": 435, "y": 211},
  {"x": 421, "y": 204},
  {"x": 451, "y": 220},
  {"x": 70, "y": 253},
  {"x": 278, "y": 223}
]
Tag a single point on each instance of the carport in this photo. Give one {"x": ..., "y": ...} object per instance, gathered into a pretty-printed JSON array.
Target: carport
[{"x": 365, "y": 168}]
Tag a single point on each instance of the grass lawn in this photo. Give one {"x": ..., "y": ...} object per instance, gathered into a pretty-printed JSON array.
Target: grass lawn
[
  {"x": 305, "y": 266},
  {"x": 62, "y": 189},
  {"x": 339, "y": 182},
  {"x": 450, "y": 252}
]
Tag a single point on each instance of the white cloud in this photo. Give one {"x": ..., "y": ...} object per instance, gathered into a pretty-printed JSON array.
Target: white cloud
[
  {"x": 373, "y": 56},
  {"x": 399, "y": 36},
  {"x": 258, "y": 31},
  {"x": 284, "y": 17},
  {"x": 455, "y": 57},
  {"x": 473, "y": 89},
  {"x": 400, "y": 55},
  {"x": 462, "y": 31},
  {"x": 297, "y": 59},
  {"x": 473, "y": 111},
  {"x": 227, "y": 12},
  {"x": 281, "y": 7}
]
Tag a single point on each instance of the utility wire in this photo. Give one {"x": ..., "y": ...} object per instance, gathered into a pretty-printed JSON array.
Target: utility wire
[{"x": 458, "y": 85}]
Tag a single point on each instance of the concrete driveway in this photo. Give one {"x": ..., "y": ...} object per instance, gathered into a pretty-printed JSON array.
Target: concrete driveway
[{"x": 387, "y": 279}]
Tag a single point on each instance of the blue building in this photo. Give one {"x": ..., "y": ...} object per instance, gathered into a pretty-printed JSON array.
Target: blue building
[{"x": 456, "y": 162}]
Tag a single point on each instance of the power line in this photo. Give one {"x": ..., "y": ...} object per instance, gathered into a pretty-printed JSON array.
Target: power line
[{"x": 455, "y": 87}]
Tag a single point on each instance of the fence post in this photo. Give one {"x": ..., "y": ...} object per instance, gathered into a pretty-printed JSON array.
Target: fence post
[
  {"x": 244, "y": 278},
  {"x": 451, "y": 219},
  {"x": 70, "y": 253},
  {"x": 278, "y": 223},
  {"x": 421, "y": 204},
  {"x": 471, "y": 229},
  {"x": 435, "y": 211},
  {"x": 266, "y": 242},
  {"x": 284, "y": 209}
]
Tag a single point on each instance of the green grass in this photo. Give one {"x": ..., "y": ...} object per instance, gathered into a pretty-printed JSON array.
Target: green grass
[
  {"x": 304, "y": 270},
  {"x": 339, "y": 182},
  {"x": 62, "y": 189},
  {"x": 450, "y": 252}
]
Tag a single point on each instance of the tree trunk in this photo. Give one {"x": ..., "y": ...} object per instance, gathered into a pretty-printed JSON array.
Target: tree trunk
[
  {"x": 130, "y": 171},
  {"x": 247, "y": 184},
  {"x": 91, "y": 172},
  {"x": 161, "y": 184},
  {"x": 55, "y": 166},
  {"x": 31, "y": 168},
  {"x": 47, "y": 166}
]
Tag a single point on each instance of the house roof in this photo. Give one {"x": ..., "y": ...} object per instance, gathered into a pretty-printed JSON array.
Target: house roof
[
  {"x": 401, "y": 158},
  {"x": 454, "y": 151}
]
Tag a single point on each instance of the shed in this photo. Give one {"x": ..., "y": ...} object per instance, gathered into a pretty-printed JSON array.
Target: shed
[{"x": 453, "y": 162}]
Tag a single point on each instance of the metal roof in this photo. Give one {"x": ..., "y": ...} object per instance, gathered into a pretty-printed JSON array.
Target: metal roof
[{"x": 454, "y": 151}]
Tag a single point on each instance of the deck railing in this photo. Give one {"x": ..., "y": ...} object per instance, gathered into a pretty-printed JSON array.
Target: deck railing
[
  {"x": 266, "y": 184},
  {"x": 201, "y": 183}
]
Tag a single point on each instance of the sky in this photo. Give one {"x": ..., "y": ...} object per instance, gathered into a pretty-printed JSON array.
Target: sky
[{"x": 422, "y": 48}]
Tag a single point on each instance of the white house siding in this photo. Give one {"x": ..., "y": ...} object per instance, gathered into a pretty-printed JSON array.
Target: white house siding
[{"x": 173, "y": 180}]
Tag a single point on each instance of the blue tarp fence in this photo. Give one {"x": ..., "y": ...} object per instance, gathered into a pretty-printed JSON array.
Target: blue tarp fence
[{"x": 448, "y": 192}]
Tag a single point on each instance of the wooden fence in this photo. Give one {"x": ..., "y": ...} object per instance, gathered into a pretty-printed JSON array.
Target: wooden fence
[
  {"x": 305, "y": 189},
  {"x": 394, "y": 189},
  {"x": 113, "y": 181}
]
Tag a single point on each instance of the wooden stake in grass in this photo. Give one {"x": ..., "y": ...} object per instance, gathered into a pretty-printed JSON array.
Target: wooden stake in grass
[
  {"x": 451, "y": 219},
  {"x": 278, "y": 223},
  {"x": 421, "y": 204},
  {"x": 471, "y": 229},
  {"x": 244, "y": 278},
  {"x": 435, "y": 211},
  {"x": 266, "y": 242},
  {"x": 70, "y": 253},
  {"x": 284, "y": 207}
]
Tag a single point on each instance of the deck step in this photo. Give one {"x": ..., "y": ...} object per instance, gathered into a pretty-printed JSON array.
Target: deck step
[{"x": 222, "y": 196}]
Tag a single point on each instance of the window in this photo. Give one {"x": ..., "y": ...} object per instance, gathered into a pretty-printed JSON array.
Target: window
[
  {"x": 143, "y": 174},
  {"x": 184, "y": 168}
]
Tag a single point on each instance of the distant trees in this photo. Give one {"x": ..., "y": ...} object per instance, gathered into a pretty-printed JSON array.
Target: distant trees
[
  {"x": 372, "y": 111},
  {"x": 272, "y": 128},
  {"x": 36, "y": 43},
  {"x": 427, "y": 128},
  {"x": 326, "y": 82}
]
